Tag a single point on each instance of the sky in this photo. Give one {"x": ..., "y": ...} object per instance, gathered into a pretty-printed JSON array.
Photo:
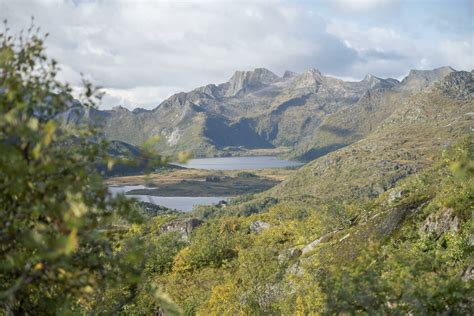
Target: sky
[{"x": 143, "y": 51}]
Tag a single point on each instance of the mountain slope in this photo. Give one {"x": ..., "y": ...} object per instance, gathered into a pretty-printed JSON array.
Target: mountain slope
[
  {"x": 402, "y": 144},
  {"x": 354, "y": 123}
]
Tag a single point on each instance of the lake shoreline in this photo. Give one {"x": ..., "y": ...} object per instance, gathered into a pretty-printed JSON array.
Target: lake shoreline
[
  {"x": 211, "y": 186},
  {"x": 203, "y": 184}
]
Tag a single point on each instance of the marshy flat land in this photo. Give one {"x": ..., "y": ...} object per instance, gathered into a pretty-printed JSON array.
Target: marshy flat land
[{"x": 198, "y": 182}]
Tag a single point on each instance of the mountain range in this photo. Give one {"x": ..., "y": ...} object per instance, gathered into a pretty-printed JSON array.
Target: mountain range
[{"x": 309, "y": 112}]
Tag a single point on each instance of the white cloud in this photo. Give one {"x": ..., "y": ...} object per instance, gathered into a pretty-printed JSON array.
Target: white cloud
[
  {"x": 460, "y": 54},
  {"x": 360, "y": 6},
  {"x": 147, "y": 97},
  {"x": 143, "y": 51}
]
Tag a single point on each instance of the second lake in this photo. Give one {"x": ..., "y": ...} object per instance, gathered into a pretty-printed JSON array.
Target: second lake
[
  {"x": 186, "y": 203},
  {"x": 180, "y": 203}
]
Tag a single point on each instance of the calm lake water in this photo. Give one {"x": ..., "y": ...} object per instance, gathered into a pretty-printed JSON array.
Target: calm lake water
[
  {"x": 181, "y": 203},
  {"x": 236, "y": 163},
  {"x": 186, "y": 203}
]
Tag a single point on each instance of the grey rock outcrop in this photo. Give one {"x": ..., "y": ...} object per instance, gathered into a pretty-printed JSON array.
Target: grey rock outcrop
[
  {"x": 182, "y": 226},
  {"x": 417, "y": 80},
  {"x": 258, "y": 226},
  {"x": 441, "y": 222},
  {"x": 376, "y": 82},
  {"x": 244, "y": 81},
  {"x": 395, "y": 195},
  {"x": 312, "y": 245},
  {"x": 468, "y": 275},
  {"x": 459, "y": 85},
  {"x": 289, "y": 255}
]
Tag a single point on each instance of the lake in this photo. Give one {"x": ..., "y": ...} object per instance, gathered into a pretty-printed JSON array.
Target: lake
[
  {"x": 186, "y": 203},
  {"x": 181, "y": 203},
  {"x": 238, "y": 163}
]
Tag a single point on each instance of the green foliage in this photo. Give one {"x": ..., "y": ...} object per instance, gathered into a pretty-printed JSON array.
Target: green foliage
[
  {"x": 245, "y": 205},
  {"x": 166, "y": 246},
  {"x": 364, "y": 268},
  {"x": 420, "y": 276},
  {"x": 246, "y": 174},
  {"x": 65, "y": 245},
  {"x": 212, "y": 245}
]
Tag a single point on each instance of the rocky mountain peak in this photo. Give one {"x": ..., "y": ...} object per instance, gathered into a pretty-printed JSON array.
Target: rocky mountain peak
[
  {"x": 371, "y": 80},
  {"x": 139, "y": 110},
  {"x": 458, "y": 85},
  {"x": 120, "y": 108},
  {"x": 371, "y": 77},
  {"x": 315, "y": 72},
  {"x": 420, "y": 79},
  {"x": 289, "y": 74},
  {"x": 210, "y": 90},
  {"x": 177, "y": 99},
  {"x": 243, "y": 81},
  {"x": 437, "y": 72},
  {"x": 308, "y": 79},
  {"x": 264, "y": 75},
  {"x": 375, "y": 82}
]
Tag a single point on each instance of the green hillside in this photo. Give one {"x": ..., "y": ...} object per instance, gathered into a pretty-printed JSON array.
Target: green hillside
[
  {"x": 409, "y": 250},
  {"x": 381, "y": 226}
]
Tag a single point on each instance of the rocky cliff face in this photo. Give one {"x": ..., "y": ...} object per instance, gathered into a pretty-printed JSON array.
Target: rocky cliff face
[
  {"x": 417, "y": 80},
  {"x": 246, "y": 81}
]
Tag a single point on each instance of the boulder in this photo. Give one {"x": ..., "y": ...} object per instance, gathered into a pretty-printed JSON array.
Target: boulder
[
  {"x": 289, "y": 255},
  {"x": 395, "y": 195},
  {"x": 468, "y": 275},
  {"x": 441, "y": 222},
  {"x": 312, "y": 245},
  {"x": 213, "y": 179},
  {"x": 222, "y": 203},
  {"x": 183, "y": 226},
  {"x": 258, "y": 226},
  {"x": 296, "y": 269}
]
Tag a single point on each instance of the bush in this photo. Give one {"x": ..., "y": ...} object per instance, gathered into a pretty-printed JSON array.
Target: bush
[{"x": 60, "y": 250}]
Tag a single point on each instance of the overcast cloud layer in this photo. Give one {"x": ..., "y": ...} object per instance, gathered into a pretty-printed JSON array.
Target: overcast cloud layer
[{"x": 143, "y": 51}]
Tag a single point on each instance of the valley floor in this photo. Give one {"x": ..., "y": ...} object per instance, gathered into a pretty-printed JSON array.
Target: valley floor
[{"x": 197, "y": 182}]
